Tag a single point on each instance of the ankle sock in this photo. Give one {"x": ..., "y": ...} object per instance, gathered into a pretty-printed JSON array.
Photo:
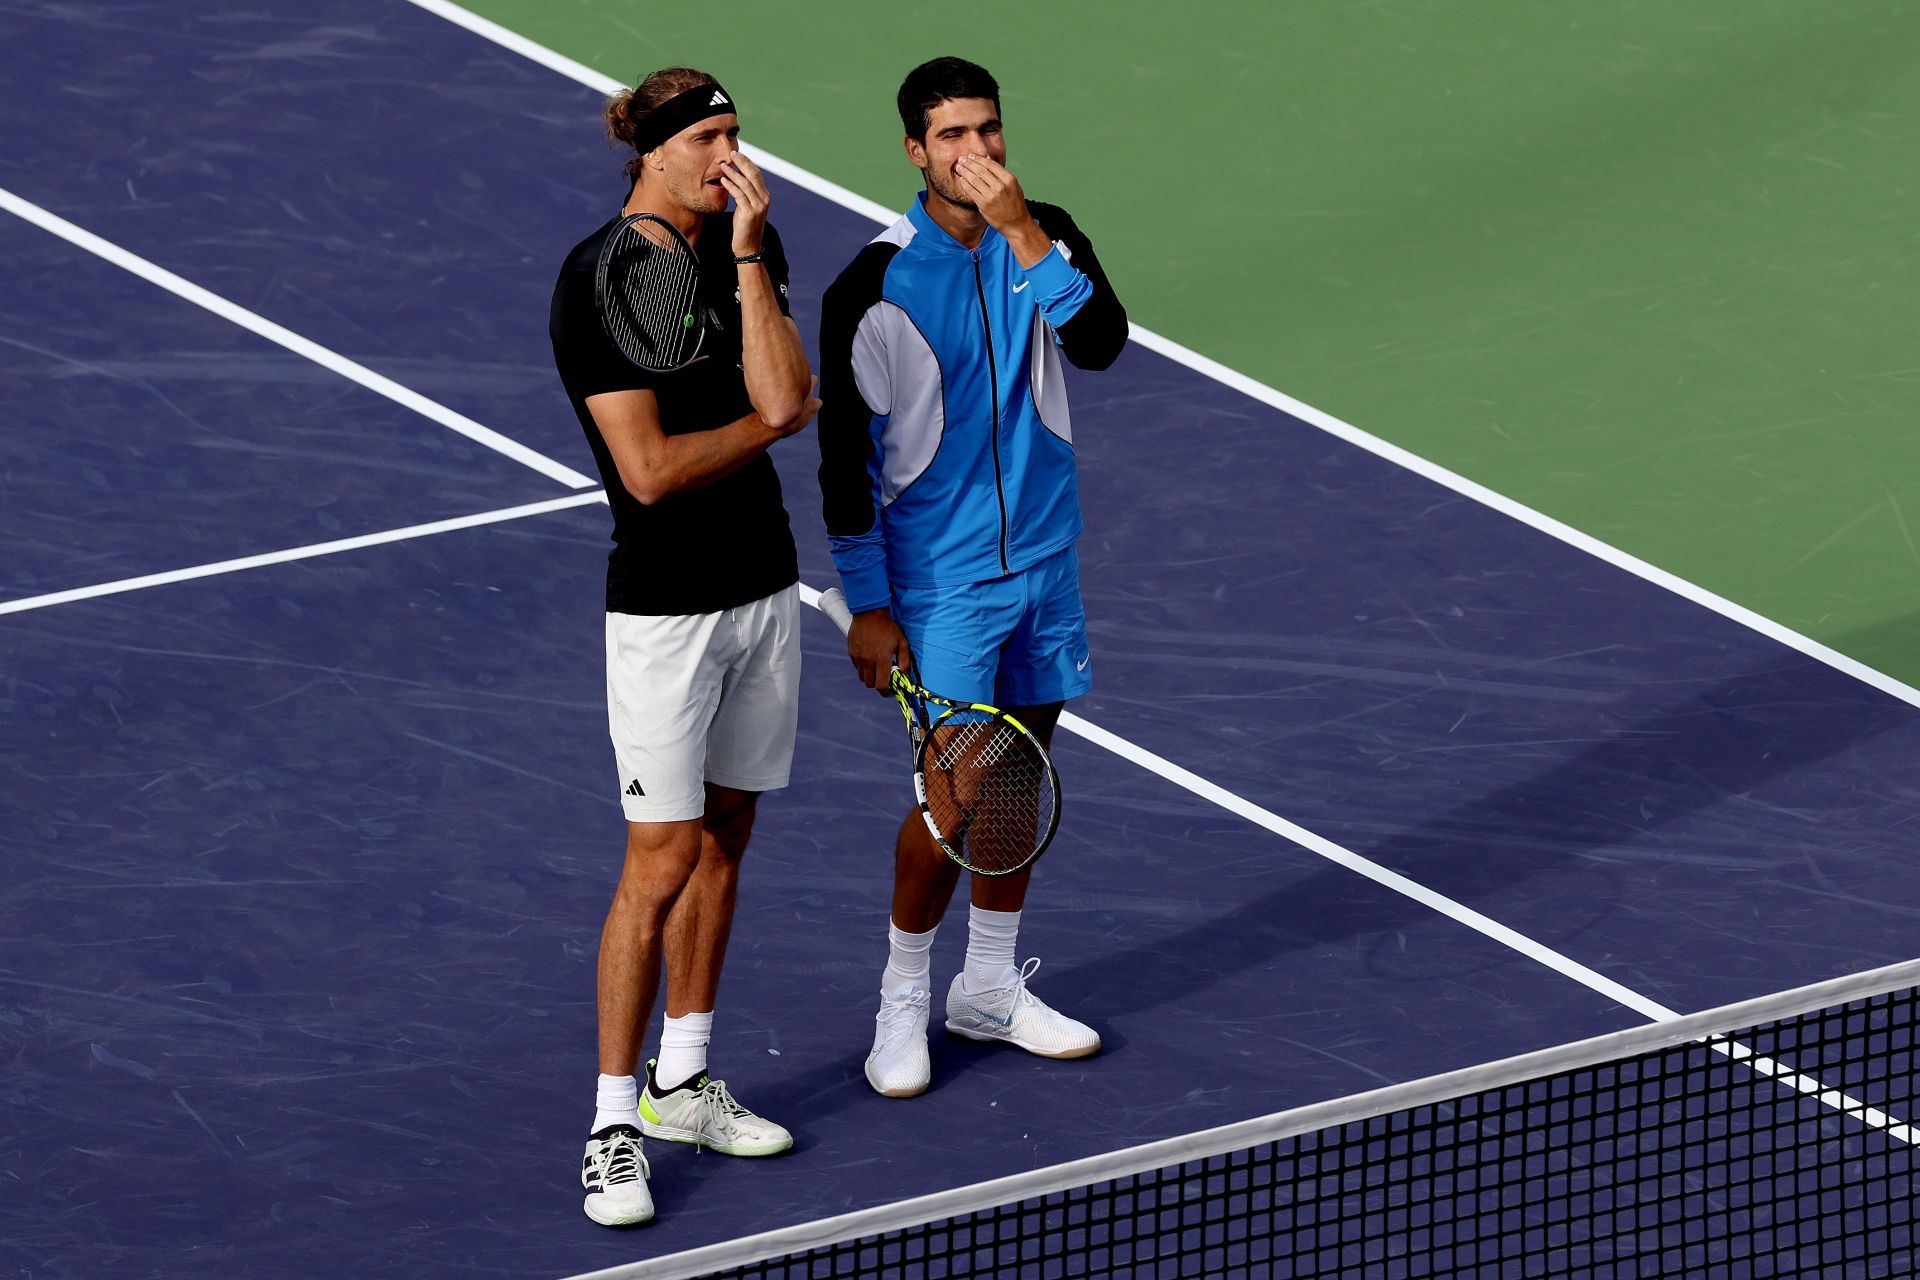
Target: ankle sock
[
  {"x": 991, "y": 939},
  {"x": 683, "y": 1051},
  {"x": 616, "y": 1102},
  {"x": 909, "y": 960}
]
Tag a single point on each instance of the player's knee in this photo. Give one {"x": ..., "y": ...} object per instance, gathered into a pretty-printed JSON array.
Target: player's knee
[
  {"x": 728, "y": 839},
  {"x": 660, "y": 860}
]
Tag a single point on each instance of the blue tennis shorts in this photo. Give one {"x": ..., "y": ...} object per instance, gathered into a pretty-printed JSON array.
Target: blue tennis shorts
[{"x": 1018, "y": 641}]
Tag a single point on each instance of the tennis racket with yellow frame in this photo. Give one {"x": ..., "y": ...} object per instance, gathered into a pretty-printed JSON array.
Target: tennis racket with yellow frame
[{"x": 987, "y": 789}]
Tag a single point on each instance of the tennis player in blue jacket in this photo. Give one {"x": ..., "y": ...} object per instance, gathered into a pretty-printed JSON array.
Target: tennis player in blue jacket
[{"x": 947, "y": 474}]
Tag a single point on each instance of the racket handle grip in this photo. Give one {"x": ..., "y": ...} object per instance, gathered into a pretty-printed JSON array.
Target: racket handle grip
[{"x": 833, "y": 603}]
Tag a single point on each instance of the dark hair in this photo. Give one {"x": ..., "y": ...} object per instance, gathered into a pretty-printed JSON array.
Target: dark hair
[
  {"x": 627, "y": 108},
  {"x": 932, "y": 83}
]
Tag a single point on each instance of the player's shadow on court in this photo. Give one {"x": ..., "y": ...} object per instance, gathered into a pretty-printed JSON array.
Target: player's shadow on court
[{"x": 1573, "y": 820}]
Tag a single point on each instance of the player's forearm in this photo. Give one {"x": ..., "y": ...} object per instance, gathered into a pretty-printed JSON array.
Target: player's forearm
[
  {"x": 680, "y": 463},
  {"x": 771, "y": 357},
  {"x": 1028, "y": 242}
]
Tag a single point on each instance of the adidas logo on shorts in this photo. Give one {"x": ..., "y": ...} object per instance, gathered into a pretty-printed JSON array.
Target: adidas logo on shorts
[{"x": 633, "y": 788}]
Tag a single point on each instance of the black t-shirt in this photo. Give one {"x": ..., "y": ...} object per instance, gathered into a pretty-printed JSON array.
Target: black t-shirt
[{"x": 706, "y": 549}]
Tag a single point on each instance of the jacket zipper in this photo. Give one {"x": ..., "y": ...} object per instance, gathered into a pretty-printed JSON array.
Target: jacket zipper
[{"x": 993, "y": 379}]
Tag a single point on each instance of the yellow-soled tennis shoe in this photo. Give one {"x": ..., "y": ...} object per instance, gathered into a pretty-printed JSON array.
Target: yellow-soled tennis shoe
[{"x": 702, "y": 1112}]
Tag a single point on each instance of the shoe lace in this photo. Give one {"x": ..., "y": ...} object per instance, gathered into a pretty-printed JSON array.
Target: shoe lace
[
  {"x": 898, "y": 1014},
  {"x": 1020, "y": 993},
  {"x": 724, "y": 1107},
  {"x": 619, "y": 1160}
]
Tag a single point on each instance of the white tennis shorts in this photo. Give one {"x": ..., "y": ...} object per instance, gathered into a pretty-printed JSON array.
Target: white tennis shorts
[{"x": 702, "y": 697}]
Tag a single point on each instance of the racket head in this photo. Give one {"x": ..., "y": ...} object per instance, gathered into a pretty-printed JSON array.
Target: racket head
[
  {"x": 987, "y": 788},
  {"x": 646, "y": 286},
  {"x": 973, "y": 763}
]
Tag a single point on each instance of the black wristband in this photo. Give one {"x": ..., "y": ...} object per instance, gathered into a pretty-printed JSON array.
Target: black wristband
[{"x": 741, "y": 260}]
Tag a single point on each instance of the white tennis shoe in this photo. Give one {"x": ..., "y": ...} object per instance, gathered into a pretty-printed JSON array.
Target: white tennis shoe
[
  {"x": 614, "y": 1172},
  {"x": 704, "y": 1113},
  {"x": 1015, "y": 1015},
  {"x": 898, "y": 1066}
]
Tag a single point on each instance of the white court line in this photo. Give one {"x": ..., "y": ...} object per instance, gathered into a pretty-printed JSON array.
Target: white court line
[
  {"x": 1257, "y": 390},
  {"x": 265, "y": 328},
  {"x": 1873, "y": 1117},
  {"x": 1526, "y": 515},
  {"x": 300, "y": 553}
]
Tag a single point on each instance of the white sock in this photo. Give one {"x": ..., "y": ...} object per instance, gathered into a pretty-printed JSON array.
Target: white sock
[
  {"x": 991, "y": 939},
  {"x": 683, "y": 1050},
  {"x": 909, "y": 960},
  {"x": 617, "y": 1102}
]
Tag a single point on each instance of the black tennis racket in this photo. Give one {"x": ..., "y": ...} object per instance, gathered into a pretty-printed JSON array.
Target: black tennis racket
[
  {"x": 987, "y": 790},
  {"x": 647, "y": 287}
]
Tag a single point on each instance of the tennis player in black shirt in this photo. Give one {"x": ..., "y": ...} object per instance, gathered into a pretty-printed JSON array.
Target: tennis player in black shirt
[{"x": 703, "y": 654}]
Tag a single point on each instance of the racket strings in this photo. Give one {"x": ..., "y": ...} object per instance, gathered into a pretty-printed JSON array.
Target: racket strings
[
  {"x": 651, "y": 304},
  {"x": 990, "y": 792}
]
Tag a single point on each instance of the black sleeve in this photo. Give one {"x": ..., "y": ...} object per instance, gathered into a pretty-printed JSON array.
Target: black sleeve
[
  {"x": 845, "y": 421},
  {"x": 588, "y": 361},
  {"x": 1097, "y": 334}
]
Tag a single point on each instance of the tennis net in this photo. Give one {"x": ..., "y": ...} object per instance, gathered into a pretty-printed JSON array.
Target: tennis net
[{"x": 1765, "y": 1139}]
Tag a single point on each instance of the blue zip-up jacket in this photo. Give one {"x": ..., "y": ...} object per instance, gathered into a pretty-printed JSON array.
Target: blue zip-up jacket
[{"x": 946, "y": 453}]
